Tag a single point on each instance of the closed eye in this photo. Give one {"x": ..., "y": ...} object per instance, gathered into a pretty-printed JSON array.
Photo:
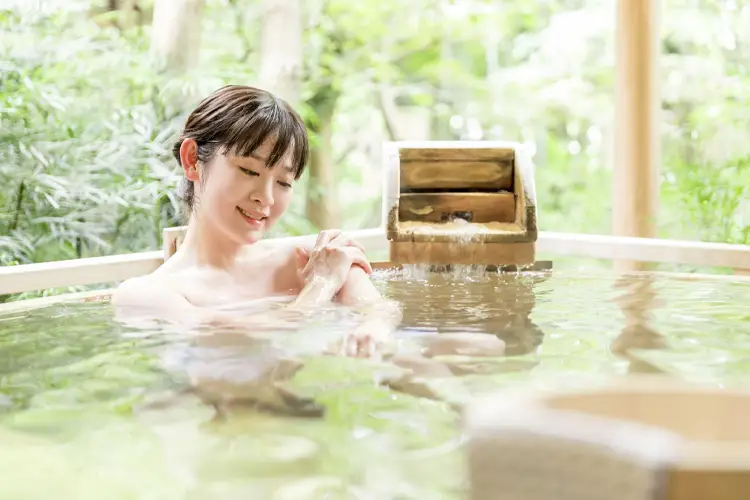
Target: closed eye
[
  {"x": 285, "y": 185},
  {"x": 249, "y": 172}
]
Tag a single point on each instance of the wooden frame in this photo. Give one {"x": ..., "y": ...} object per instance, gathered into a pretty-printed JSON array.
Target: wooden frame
[
  {"x": 89, "y": 271},
  {"x": 513, "y": 168},
  {"x": 488, "y": 184}
]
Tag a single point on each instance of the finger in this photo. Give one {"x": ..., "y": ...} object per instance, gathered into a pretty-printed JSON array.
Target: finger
[
  {"x": 322, "y": 240},
  {"x": 365, "y": 346},
  {"x": 308, "y": 264},
  {"x": 319, "y": 242},
  {"x": 358, "y": 257},
  {"x": 311, "y": 261},
  {"x": 375, "y": 353},
  {"x": 351, "y": 243},
  {"x": 302, "y": 257},
  {"x": 325, "y": 237},
  {"x": 337, "y": 238},
  {"x": 346, "y": 346}
]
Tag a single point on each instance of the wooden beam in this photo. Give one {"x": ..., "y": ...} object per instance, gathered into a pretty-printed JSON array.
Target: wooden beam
[
  {"x": 26, "y": 305},
  {"x": 457, "y": 174},
  {"x": 25, "y": 278},
  {"x": 421, "y": 252},
  {"x": 637, "y": 105},
  {"x": 468, "y": 153},
  {"x": 484, "y": 207},
  {"x": 632, "y": 249}
]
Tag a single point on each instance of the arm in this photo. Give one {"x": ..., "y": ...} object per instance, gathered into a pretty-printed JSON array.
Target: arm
[
  {"x": 381, "y": 316},
  {"x": 358, "y": 289},
  {"x": 343, "y": 262},
  {"x": 331, "y": 271}
]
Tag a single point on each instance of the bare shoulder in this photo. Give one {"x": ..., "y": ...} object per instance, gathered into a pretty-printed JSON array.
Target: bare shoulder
[
  {"x": 276, "y": 252},
  {"x": 138, "y": 290},
  {"x": 289, "y": 243},
  {"x": 151, "y": 290},
  {"x": 150, "y": 297}
]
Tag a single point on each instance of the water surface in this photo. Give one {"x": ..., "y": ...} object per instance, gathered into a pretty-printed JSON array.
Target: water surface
[{"x": 91, "y": 408}]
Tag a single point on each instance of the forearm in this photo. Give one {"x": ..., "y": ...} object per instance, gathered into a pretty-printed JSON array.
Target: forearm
[
  {"x": 383, "y": 312},
  {"x": 317, "y": 291},
  {"x": 358, "y": 289},
  {"x": 380, "y": 316}
]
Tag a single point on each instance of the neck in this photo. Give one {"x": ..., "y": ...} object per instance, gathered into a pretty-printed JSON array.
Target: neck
[{"x": 204, "y": 245}]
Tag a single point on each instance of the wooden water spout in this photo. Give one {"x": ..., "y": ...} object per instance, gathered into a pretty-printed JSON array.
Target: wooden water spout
[
  {"x": 460, "y": 203},
  {"x": 642, "y": 438}
]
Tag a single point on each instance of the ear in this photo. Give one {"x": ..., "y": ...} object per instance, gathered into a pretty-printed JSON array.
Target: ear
[{"x": 189, "y": 159}]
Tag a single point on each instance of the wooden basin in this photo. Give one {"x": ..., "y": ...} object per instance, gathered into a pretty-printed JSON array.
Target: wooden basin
[{"x": 639, "y": 438}]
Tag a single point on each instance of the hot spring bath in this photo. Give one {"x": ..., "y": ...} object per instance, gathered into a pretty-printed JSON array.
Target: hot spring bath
[{"x": 90, "y": 408}]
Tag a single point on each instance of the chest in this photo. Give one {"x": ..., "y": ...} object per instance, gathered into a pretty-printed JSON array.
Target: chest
[{"x": 249, "y": 282}]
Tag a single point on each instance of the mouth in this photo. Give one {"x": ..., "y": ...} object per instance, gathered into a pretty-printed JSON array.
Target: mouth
[{"x": 253, "y": 218}]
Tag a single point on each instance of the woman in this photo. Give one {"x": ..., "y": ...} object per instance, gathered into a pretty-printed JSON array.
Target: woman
[{"x": 241, "y": 150}]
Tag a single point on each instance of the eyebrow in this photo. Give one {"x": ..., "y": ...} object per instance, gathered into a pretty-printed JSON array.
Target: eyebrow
[{"x": 287, "y": 164}]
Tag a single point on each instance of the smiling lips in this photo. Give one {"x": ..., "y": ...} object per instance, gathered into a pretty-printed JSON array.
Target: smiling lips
[{"x": 255, "y": 219}]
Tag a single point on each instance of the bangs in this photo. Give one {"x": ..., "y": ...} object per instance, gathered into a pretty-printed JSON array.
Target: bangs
[{"x": 273, "y": 121}]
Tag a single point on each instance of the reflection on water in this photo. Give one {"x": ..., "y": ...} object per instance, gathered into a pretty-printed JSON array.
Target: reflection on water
[
  {"x": 637, "y": 300},
  {"x": 92, "y": 403},
  {"x": 471, "y": 300}
]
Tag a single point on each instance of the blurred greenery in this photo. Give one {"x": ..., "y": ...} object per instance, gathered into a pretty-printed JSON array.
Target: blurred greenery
[{"x": 86, "y": 119}]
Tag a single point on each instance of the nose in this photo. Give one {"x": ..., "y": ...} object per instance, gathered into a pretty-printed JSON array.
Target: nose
[{"x": 263, "y": 193}]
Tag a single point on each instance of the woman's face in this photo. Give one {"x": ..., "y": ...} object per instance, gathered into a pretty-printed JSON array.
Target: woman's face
[{"x": 241, "y": 196}]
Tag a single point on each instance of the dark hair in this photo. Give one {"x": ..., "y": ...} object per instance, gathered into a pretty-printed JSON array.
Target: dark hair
[{"x": 238, "y": 119}]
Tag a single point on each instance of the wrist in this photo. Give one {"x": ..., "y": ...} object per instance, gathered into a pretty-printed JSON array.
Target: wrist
[
  {"x": 324, "y": 279},
  {"x": 320, "y": 281},
  {"x": 317, "y": 290}
]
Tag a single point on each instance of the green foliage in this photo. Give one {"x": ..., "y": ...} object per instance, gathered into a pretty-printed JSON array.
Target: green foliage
[
  {"x": 85, "y": 135},
  {"x": 709, "y": 203}
]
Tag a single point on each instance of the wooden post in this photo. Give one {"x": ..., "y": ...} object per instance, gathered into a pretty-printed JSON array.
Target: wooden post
[{"x": 636, "y": 173}]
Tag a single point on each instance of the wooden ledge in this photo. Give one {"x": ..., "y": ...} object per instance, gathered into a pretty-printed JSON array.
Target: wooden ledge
[{"x": 462, "y": 253}]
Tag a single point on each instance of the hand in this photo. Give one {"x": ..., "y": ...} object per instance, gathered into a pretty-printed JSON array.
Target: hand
[
  {"x": 371, "y": 339},
  {"x": 359, "y": 345},
  {"x": 332, "y": 257},
  {"x": 330, "y": 263},
  {"x": 334, "y": 237}
]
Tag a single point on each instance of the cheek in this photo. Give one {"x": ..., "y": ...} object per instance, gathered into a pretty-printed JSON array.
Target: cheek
[
  {"x": 224, "y": 192},
  {"x": 281, "y": 203}
]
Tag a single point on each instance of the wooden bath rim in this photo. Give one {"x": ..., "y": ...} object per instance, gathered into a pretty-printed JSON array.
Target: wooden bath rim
[{"x": 111, "y": 269}]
